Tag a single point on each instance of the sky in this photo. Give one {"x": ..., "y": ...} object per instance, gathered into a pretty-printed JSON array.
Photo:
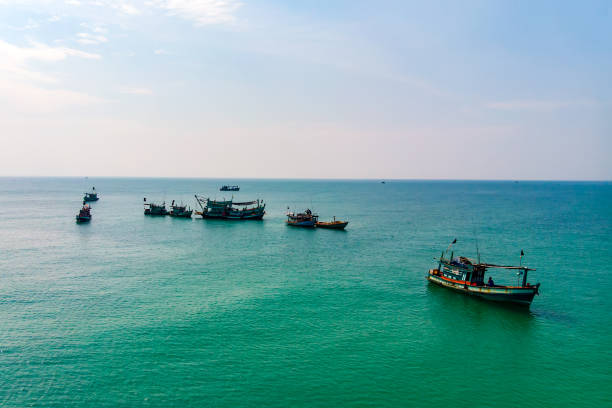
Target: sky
[{"x": 306, "y": 89}]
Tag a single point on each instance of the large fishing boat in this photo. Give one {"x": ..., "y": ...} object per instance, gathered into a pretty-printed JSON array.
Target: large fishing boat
[
  {"x": 468, "y": 276},
  {"x": 155, "y": 209},
  {"x": 306, "y": 219},
  {"x": 84, "y": 214},
  {"x": 93, "y": 196},
  {"x": 229, "y": 188},
  {"x": 230, "y": 210},
  {"x": 180, "y": 211}
]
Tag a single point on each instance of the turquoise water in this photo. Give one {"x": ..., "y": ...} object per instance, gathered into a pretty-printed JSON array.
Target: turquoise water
[{"x": 138, "y": 311}]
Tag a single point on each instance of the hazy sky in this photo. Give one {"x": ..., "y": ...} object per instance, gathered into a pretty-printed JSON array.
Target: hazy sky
[{"x": 347, "y": 89}]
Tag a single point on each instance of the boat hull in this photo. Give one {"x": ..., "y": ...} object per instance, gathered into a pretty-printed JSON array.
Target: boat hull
[
  {"x": 254, "y": 216},
  {"x": 303, "y": 224},
  {"x": 148, "y": 212},
  {"x": 90, "y": 199},
  {"x": 186, "y": 215},
  {"x": 332, "y": 225},
  {"x": 509, "y": 294},
  {"x": 82, "y": 219}
]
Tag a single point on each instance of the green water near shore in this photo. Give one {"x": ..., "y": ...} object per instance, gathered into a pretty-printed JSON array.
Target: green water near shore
[{"x": 139, "y": 311}]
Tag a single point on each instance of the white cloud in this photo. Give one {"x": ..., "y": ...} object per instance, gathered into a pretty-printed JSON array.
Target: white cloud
[
  {"x": 160, "y": 52},
  {"x": 14, "y": 61},
  {"x": 128, "y": 8},
  {"x": 32, "y": 24},
  {"x": 135, "y": 91},
  {"x": 95, "y": 27},
  {"x": 20, "y": 84},
  {"x": 87, "y": 38},
  {"x": 202, "y": 12}
]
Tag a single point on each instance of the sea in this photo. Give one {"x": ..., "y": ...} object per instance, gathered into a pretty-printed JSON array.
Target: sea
[{"x": 131, "y": 310}]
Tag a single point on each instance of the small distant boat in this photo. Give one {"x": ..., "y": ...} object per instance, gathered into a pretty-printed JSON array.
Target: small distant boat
[
  {"x": 305, "y": 220},
  {"x": 180, "y": 211},
  {"x": 230, "y": 210},
  {"x": 229, "y": 188},
  {"x": 338, "y": 225},
  {"x": 468, "y": 276},
  {"x": 155, "y": 209},
  {"x": 383, "y": 182},
  {"x": 84, "y": 214},
  {"x": 93, "y": 196}
]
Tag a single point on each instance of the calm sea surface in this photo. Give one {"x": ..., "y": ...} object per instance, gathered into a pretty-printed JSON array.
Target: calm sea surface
[{"x": 138, "y": 311}]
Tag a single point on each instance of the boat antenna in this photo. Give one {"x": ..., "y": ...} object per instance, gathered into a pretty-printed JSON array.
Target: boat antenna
[
  {"x": 476, "y": 239},
  {"x": 450, "y": 245},
  {"x": 520, "y": 272}
]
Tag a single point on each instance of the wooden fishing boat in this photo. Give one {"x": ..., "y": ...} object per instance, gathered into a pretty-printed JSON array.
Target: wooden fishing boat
[
  {"x": 305, "y": 220},
  {"x": 338, "y": 225},
  {"x": 93, "y": 196},
  {"x": 468, "y": 276},
  {"x": 180, "y": 211},
  {"x": 229, "y": 188},
  {"x": 155, "y": 209},
  {"x": 84, "y": 214},
  {"x": 230, "y": 210}
]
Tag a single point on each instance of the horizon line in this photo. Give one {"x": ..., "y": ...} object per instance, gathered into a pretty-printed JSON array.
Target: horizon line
[{"x": 314, "y": 178}]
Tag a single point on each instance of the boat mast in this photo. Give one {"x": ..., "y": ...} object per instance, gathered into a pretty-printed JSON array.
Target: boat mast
[
  {"x": 525, "y": 270},
  {"x": 199, "y": 202},
  {"x": 449, "y": 246}
]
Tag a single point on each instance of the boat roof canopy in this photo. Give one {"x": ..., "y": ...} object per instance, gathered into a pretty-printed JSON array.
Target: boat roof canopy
[
  {"x": 524, "y": 268},
  {"x": 467, "y": 261},
  {"x": 221, "y": 203}
]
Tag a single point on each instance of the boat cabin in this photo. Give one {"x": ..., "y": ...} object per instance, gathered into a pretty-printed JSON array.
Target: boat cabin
[
  {"x": 471, "y": 272},
  {"x": 462, "y": 269}
]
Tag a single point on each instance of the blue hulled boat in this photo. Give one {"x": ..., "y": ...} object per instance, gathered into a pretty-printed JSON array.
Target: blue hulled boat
[{"x": 305, "y": 220}]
